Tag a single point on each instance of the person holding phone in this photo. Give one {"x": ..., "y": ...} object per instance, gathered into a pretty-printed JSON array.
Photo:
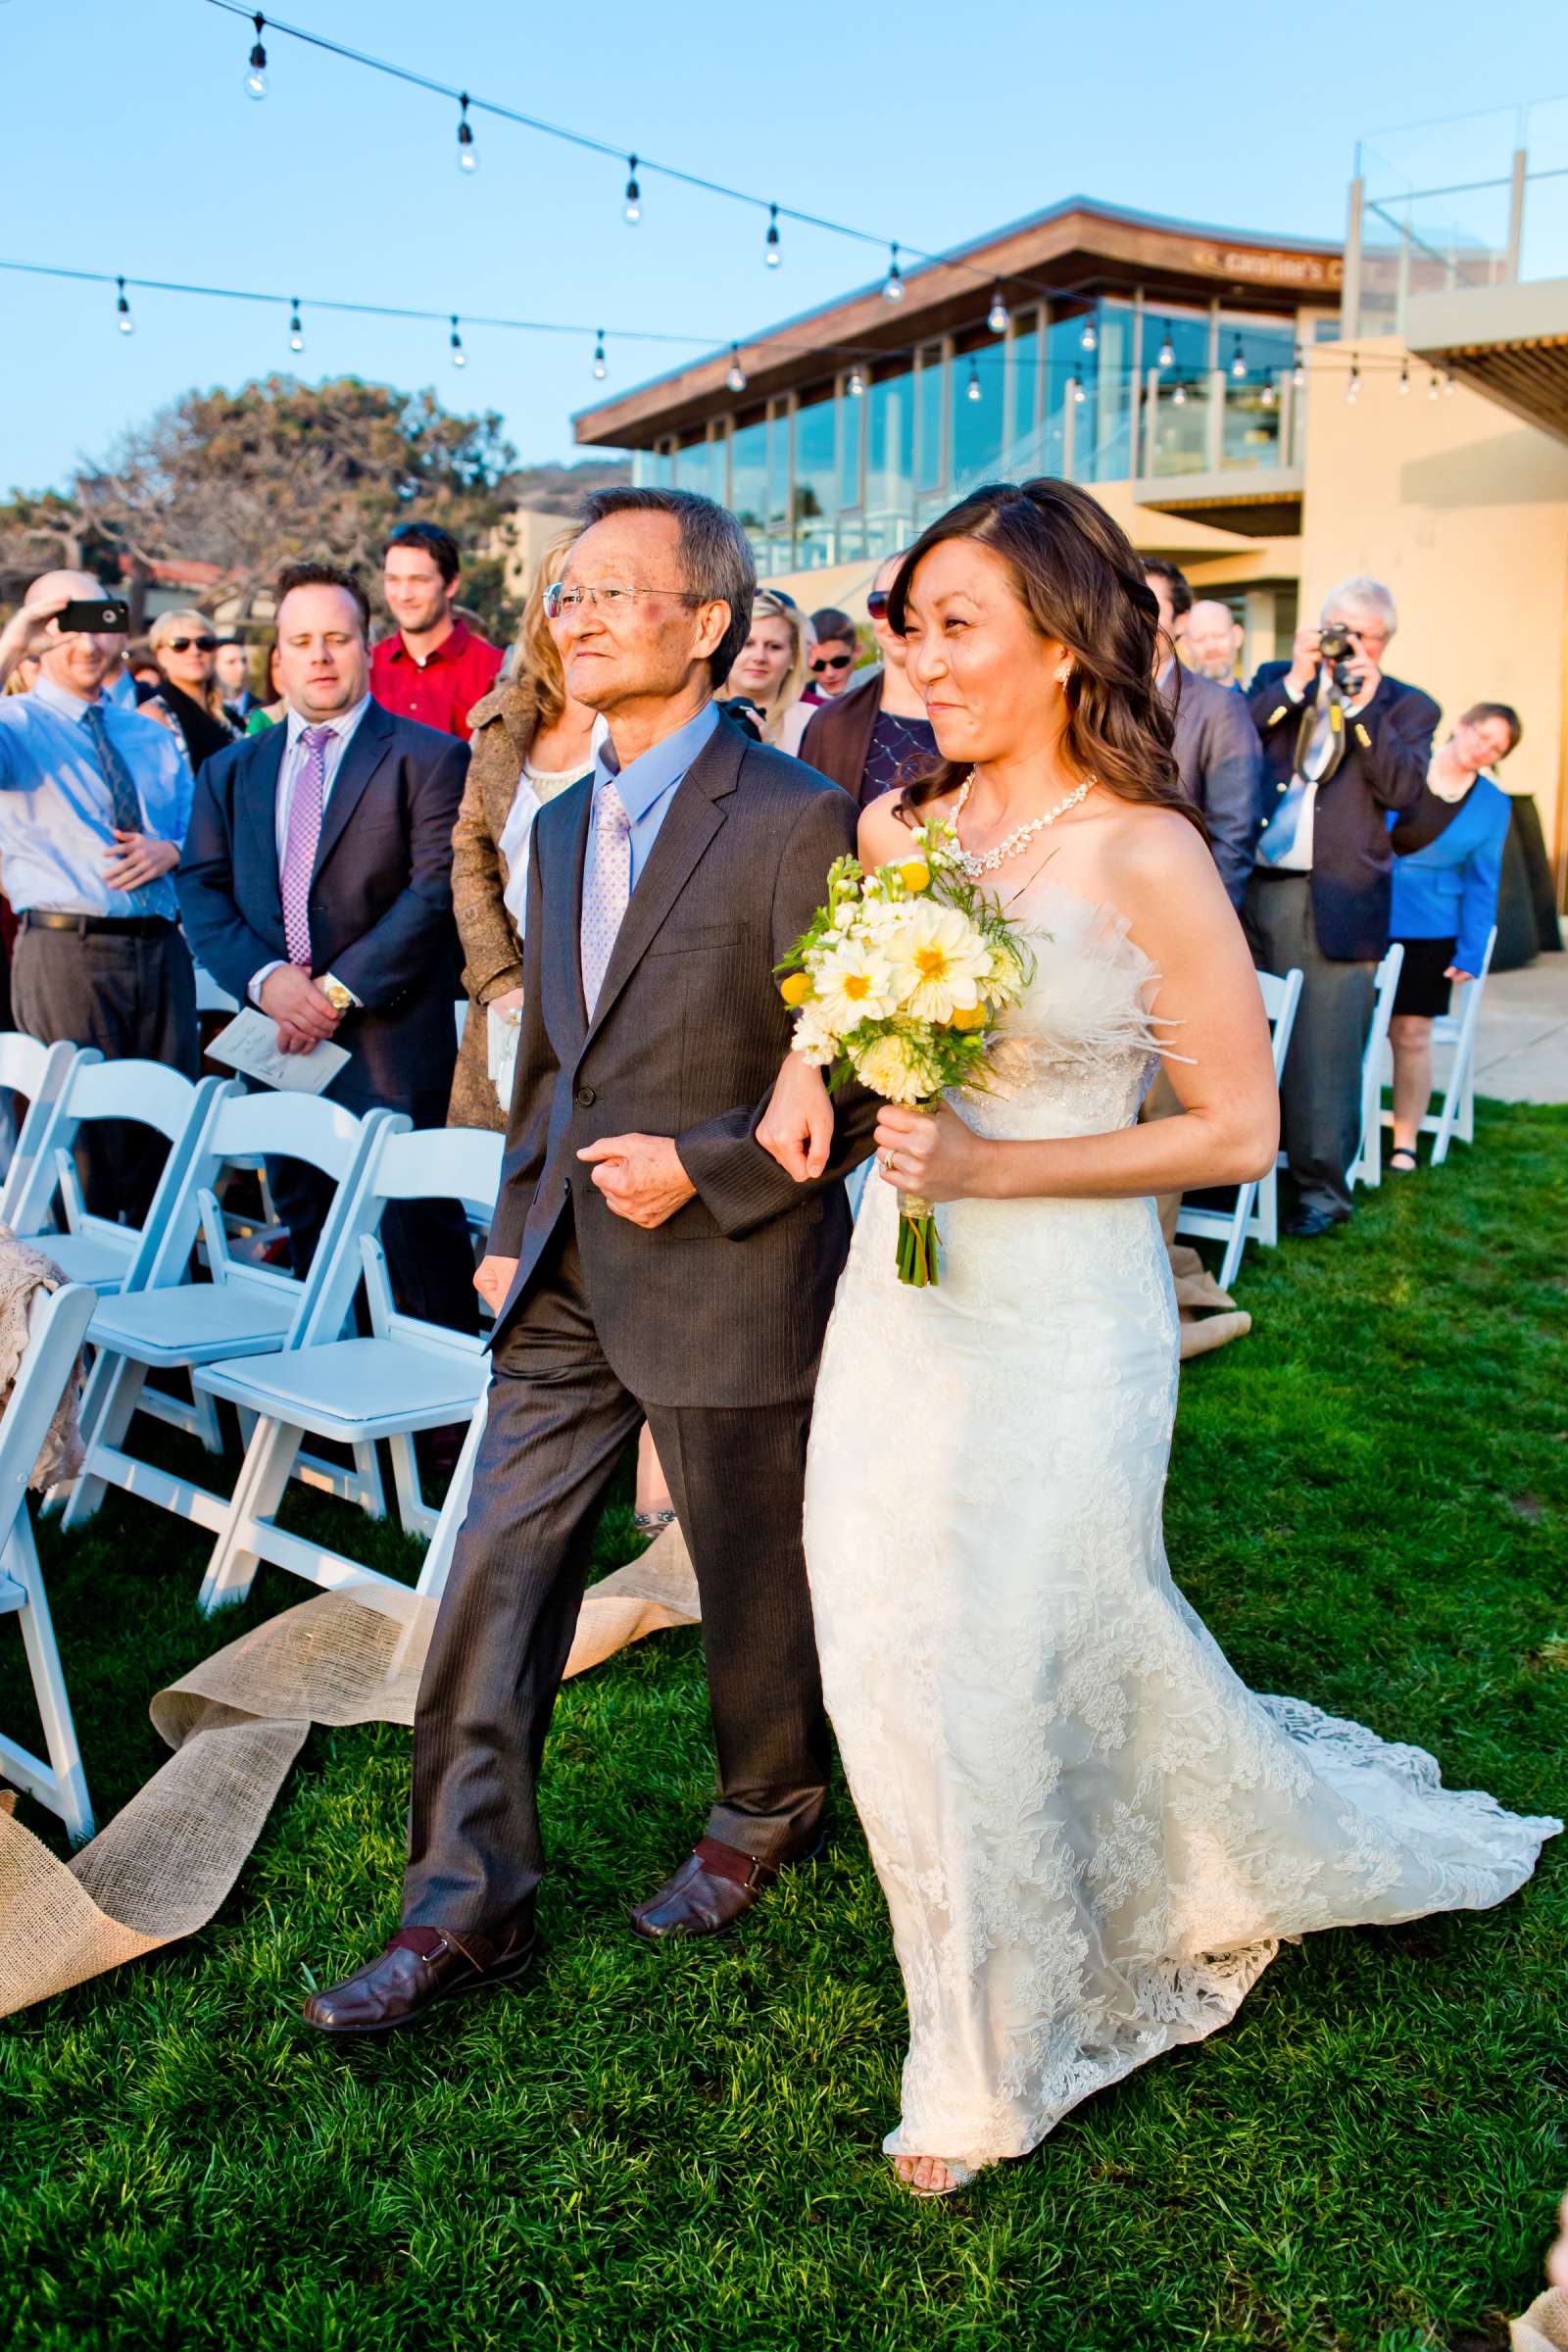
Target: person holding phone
[{"x": 94, "y": 802}]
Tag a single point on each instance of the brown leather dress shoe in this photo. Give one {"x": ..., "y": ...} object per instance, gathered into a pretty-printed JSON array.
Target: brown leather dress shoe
[
  {"x": 714, "y": 1886},
  {"x": 420, "y": 1967}
]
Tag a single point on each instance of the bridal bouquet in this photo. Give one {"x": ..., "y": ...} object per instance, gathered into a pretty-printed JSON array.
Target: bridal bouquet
[{"x": 899, "y": 982}]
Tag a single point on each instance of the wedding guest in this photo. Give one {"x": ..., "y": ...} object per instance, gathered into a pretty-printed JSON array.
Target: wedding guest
[
  {"x": 346, "y": 933},
  {"x": 184, "y": 646},
  {"x": 529, "y": 741},
  {"x": 833, "y": 656},
  {"x": 436, "y": 667},
  {"x": 266, "y": 715},
  {"x": 1445, "y": 902},
  {"x": 1343, "y": 745},
  {"x": 231, "y": 665},
  {"x": 95, "y": 802},
  {"x": 141, "y": 666},
  {"x": 1212, "y": 641},
  {"x": 876, "y": 735},
  {"x": 1219, "y": 756},
  {"x": 769, "y": 670},
  {"x": 25, "y": 676}
]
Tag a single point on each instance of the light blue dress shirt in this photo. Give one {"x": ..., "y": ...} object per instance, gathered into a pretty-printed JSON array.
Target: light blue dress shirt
[
  {"x": 56, "y": 827},
  {"x": 647, "y": 785}
]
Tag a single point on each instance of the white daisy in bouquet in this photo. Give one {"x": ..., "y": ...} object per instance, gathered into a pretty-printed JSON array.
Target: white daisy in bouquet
[{"x": 899, "y": 983}]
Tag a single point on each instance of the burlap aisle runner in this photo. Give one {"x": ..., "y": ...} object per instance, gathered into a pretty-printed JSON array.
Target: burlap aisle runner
[{"x": 236, "y": 1722}]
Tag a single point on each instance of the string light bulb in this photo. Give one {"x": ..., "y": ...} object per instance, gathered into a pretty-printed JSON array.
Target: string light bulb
[
  {"x": 468, "y": 153},
  {"x": 856, "y": 385},
  {"x": 1238, "y": 363},
  {"x": 1075, "y": 385},
  {"x": 256, "y": 71},
  {"x": 296, "y": 330},
  {"x": 1449, "y": 385},
  {"x": 1299, "y": 371},
  {"x": 772, "y": 251},
  {"x": 736, "y": 378},
  {"x": 123, "y": 317},
  {"x": 1405, "y": 378},
  {"x": 459, "y": 358},
  {"x": 971, "y": 390},
  {"x": 600, "y": 363},
  {"x": 632, "y": 203},
  {"x": 1167, "y": 349},
  {"x": 1089, "y": 340},
  {"x": 892, "y": 283},
  {"x": 1352, "y": 382},
  {"x": 996, "y": 316},
  {"x": 1433, "y": 387},
  {"x": 1178, "y": 399},
  {"x": 1268, "y": 395}
]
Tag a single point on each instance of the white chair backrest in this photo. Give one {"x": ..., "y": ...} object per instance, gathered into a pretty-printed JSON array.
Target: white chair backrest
[
  {"x": 209, "y": 997},
  {"x": 1280, "y": 996},
  {"x": 292, "y": 1126},
  {"x": 56, "y": 1328},
  {"x": 147, "y": 1092},
  {"x": 39, "y": 1073},
  {"x": 426, "y": 1164}
]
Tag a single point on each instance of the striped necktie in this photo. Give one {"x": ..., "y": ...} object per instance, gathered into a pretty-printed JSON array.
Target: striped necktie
[{"x": 125, "y": 812}]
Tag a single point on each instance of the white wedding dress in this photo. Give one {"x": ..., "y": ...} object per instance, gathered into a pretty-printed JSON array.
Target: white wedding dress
[{"x": 1090, "y": 1834}]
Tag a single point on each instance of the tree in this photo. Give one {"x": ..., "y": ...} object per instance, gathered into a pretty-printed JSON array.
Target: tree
[{"x": 249, "y": 480}]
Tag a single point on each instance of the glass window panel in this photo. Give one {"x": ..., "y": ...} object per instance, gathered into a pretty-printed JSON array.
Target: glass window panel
[
  {"x": 1102, "y": 419},
  {"x": 749, "y": 474},
  {"x": 778, "y": 465},
  {"x": 1023, "y": 402},
  {"x": 1178, "y": 428},
  {"x": 852, "y": 428},
  {"x": 718, "y": 464},
  {"x": 928, "y": 418},
  {"x": 816, "y": 458},
  {"x": 1250, "y": 433},
  {"x": 1068, "y": 363},
  {"x": 889, "y": 461},
  {"x": 977, "y": 425},
  {"x": 689, "y": 464}
]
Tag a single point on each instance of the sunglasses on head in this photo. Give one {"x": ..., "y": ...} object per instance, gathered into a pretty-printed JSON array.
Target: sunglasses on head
[
  {"x": 876, "y": 604},
  {"x": 832, "y": 661},
  {"x": 184, "y": 645}
]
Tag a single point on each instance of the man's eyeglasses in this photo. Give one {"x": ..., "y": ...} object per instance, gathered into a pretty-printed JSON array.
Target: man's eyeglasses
[
  {"x": 831, "y": 662},
  {"x": 876, "y": 604},
  {"x": 186, "y": 644},
  {"x": 605, "y": 596}
]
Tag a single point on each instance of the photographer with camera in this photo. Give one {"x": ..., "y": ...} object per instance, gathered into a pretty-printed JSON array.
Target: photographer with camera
[
  {"x": 94, "y": 802},
  {"x": 1343, "y": 745}
]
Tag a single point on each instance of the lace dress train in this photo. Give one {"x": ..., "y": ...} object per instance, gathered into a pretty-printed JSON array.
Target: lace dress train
[{"x": 1091, "y": 1834}]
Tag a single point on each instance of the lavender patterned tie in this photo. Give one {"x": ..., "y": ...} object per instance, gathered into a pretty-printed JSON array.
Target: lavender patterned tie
[
  {"x": 607, "y": 889},
  {"x": 299, "y": 841}
]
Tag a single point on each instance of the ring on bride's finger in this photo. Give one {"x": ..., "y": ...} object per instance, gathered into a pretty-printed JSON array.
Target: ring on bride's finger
[{"x": 886, "y": 1159}]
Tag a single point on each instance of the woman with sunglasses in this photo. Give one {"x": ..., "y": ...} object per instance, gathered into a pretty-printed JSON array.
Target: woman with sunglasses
[
  {"x": 769, "y": 670},
  {"x": 877, "y": 735},
  {"x": 834, "y": 655},
  {"x": 188, "y": 697}
]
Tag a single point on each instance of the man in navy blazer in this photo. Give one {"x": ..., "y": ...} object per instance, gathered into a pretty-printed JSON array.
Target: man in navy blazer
[
  {"x": 1218, "y": 757},
  {"x": 316, "y": 883},
  {"x": 1336, "y": 763}
]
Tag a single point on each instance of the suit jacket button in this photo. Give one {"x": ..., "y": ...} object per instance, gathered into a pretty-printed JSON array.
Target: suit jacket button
[{"x": 585, "y": 1095}]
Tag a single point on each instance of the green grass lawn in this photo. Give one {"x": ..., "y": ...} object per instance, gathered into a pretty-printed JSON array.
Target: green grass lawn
[{"x": 1369, "y": 1505}]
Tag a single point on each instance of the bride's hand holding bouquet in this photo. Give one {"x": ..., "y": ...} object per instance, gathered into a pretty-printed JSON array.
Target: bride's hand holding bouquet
[{"x": 897, "y": 983}]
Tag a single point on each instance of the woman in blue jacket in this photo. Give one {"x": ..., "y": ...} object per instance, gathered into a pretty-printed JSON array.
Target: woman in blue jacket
[{"x": 1445, "y": 902}]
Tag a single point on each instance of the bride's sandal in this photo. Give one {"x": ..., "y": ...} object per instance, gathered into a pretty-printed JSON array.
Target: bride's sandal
[{"x": 949, "y": 2176}]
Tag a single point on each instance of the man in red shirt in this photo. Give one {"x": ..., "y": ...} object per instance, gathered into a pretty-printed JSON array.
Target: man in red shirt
[{"x": 435, "y": 669}]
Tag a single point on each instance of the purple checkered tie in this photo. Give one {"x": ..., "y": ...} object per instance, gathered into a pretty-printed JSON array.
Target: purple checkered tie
[{"x": 299, "y": 842}]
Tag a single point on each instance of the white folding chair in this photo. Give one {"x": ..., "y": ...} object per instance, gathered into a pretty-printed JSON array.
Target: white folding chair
[
  {"x": 210, "y": 997},
  {"x": 1455, "y": 1029},
  {"x": 1367, "y": 1165},
  {"x": 95, "y": 1250},
  {"x": 1254, "y": 1214},
  {"x": 243, "y": 1308},
  {"x": 39, "y": 1073},
  {"x": 409, "y": 1375},
  {"x": 56, "y": 1330}
]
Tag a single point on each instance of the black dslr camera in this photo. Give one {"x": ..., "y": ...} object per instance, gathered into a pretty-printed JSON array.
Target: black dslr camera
[{"x": 1335, "y": 646}]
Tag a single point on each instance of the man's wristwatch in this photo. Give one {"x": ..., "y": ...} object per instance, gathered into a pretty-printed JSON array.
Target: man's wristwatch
[{"x": 341, "y": 999}]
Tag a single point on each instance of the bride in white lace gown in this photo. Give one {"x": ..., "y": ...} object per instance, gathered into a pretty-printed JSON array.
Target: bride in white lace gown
[{"x": 1090, "y": 1834}]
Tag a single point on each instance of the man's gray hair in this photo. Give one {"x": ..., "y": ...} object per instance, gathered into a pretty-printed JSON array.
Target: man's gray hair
[
  {"x": 1362, "y": 594},
  {"x": 715, "y": 555}
]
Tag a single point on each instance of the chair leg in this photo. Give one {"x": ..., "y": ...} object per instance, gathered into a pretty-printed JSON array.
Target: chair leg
[
  {"x": 258, "y": 1490},
  {"x": 114, "y": 1391},
  {"x": 414, "y": 1512},
  {"x": 453, "y": 1511},
  {"x": 204, "y": 1420},
  {"x": 371, "y": 1496},
  {"x": 49, "y": 1681},
  {"x": 1247, "y": 1193}
]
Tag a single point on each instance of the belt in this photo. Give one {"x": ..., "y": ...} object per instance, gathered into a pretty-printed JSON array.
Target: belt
[{"x": 134, "y": 926}]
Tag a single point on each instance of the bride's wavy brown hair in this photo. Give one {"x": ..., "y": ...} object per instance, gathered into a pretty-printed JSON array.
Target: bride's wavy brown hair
[{"x": 1078, "y": 579}]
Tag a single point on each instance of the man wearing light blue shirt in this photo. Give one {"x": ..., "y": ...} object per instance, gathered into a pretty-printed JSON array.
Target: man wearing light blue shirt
[{"x": 94, "y": 802}]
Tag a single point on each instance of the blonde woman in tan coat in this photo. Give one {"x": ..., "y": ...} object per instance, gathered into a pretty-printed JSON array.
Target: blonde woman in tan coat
[{"x": 531, "y": 741}]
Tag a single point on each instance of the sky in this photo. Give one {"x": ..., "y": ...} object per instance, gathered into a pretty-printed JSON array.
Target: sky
[{"x": 139, "y": 152}]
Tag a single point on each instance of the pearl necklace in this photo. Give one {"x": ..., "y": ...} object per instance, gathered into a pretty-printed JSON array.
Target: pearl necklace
[{"x": 986, "y": 861}]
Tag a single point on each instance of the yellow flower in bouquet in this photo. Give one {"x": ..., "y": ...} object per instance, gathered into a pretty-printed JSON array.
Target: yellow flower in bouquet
[{"x": 898, "y": 984}]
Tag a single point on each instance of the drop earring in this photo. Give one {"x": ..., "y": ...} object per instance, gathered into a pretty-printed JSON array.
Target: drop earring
[{"x": 1064, "y": 674}]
